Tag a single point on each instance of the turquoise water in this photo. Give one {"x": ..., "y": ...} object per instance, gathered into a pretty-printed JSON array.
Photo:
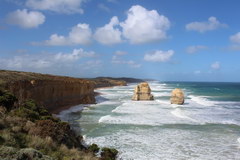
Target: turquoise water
[{"x": 206, "y": 127}]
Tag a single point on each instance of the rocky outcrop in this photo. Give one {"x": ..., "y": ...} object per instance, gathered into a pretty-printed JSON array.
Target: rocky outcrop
[
  {"x": 177, "y": 97},
  {"x": 142, "y": 92},
  {"x": 52, "y": 92}
]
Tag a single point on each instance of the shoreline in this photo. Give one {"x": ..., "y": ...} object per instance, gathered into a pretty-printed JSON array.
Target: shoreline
[{"x": 57, "y": 111}]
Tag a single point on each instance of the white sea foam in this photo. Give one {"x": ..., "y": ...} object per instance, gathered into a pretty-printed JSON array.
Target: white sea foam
[
  {"x": 72, "y": 109},
  {"x": 160, "y": 94},
  {"x": 104, "y": 118},
  {"x": 166, "y": 102},
  {"x": 179, "y": 113},
  {"x": 168, "y": 144},
  {"x": 201, "y": 100}
]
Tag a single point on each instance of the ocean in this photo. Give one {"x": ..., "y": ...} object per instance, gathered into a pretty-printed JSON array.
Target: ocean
[{"x": 206, "y": 127}]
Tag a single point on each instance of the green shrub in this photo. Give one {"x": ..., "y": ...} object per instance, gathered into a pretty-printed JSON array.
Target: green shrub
[
  {"x": 1, "y": 140},
  {"x": 2, "y": 124},
  {"x": 7, "y": 99},
  {"x": 26, "y": 113},
  {"x": 43, "y": 112},
  {"x": 31, "y": 105},
  {"x": 93, "y": 148},
  {"x": 109, "y": 154},
  {"x": 16, "y": 140}
]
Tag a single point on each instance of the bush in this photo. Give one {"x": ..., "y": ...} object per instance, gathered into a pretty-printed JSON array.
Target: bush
[
  {"x": 46, "y": 145},
  {"x": 16, "y": 140},
  {"x": 26, "y": 113},
  {"x": 31, "y": 105},
  {"x": 2, "y": 124},
  {"x": 109, "y": 154},
  {"x": 93, "y": 148},
  {"x": 7, "y": 99},
  {"x": 1, "y": 140}
]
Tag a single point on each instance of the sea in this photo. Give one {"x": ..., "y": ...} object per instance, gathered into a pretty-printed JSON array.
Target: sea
[{"x": 206, "y": 127}]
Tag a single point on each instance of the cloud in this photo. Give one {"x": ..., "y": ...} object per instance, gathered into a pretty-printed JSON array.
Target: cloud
[
  {"x": 194, "y": 49},
  {"x": 116, "y": 59},
  {"x": 120, "y": 53},
  {"x": 235, "y": 38},
  {"x": 80, "y": 34},
  {"x": 143, "y": 26},
  {"x": 159, "y": 56},
  {"x": 75, "y": 55},
  {"x": 211, "y": 24},
  {"x": 103, "y": 7},
  {"x": 25, "y": 18},
  {"x": 58, "y": 6},
  {"x": 108, "y": 35},
  {"x": 45, "y": 61},
  {"x": 216, "y": 65}
]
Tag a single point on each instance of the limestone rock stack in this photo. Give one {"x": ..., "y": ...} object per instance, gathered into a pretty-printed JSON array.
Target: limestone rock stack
[
  {"x": 142, "y": 92},
  {"x": 177, "y": 96}
]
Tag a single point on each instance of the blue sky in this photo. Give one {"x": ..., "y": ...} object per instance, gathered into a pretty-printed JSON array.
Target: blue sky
[{"x": 191, "y": 40}]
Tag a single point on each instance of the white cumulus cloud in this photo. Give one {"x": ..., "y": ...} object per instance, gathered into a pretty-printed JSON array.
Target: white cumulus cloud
[
  {"x": 142, "y": 25},
  {"x": 216, "y": 65},
  {"x": 80, "y": 34},
  {"x": 75, "y": 55},
  {"x": 59, "y": 6},
  {"x": 235, "y": 38},
  {"x": 211, "y": 24},
  {"x": 194, "y": 49},
  {"x": 25, "y": 18},
  {"x": 159, "y": 56},
  {"x": 108, "y": 35}
]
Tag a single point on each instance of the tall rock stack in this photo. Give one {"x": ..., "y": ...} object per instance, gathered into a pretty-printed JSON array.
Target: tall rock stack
[
  {"x": 142, "y": 92},
  {"x": 177, "y": 96}
]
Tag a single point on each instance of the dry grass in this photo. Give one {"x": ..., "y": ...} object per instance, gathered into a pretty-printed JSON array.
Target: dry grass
[{"x": 45, "y": 144}]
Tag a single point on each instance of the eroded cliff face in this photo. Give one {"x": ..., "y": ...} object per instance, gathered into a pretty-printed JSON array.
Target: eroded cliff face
[{"x": 54, "y": 94}]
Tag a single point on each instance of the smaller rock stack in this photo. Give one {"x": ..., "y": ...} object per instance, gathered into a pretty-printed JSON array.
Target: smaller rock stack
[
  {"x": 142, "y": 92},
  {"x": 177, "y": 97}
]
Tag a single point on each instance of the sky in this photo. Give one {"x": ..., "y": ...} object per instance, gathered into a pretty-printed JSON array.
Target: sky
[{"x": 168, "y": 40}]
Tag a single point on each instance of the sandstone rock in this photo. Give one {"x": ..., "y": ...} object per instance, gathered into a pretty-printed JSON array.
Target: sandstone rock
[
  {"x": 142, "y": 92},
  {"x": 177, "y": 96}
]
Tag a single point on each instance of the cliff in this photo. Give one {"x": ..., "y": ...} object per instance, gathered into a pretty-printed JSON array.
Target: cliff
[
  {"x": 107, "y": 82},
  {"x": 56, "y": 92},
  {"x": 53, "y": 92}
]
